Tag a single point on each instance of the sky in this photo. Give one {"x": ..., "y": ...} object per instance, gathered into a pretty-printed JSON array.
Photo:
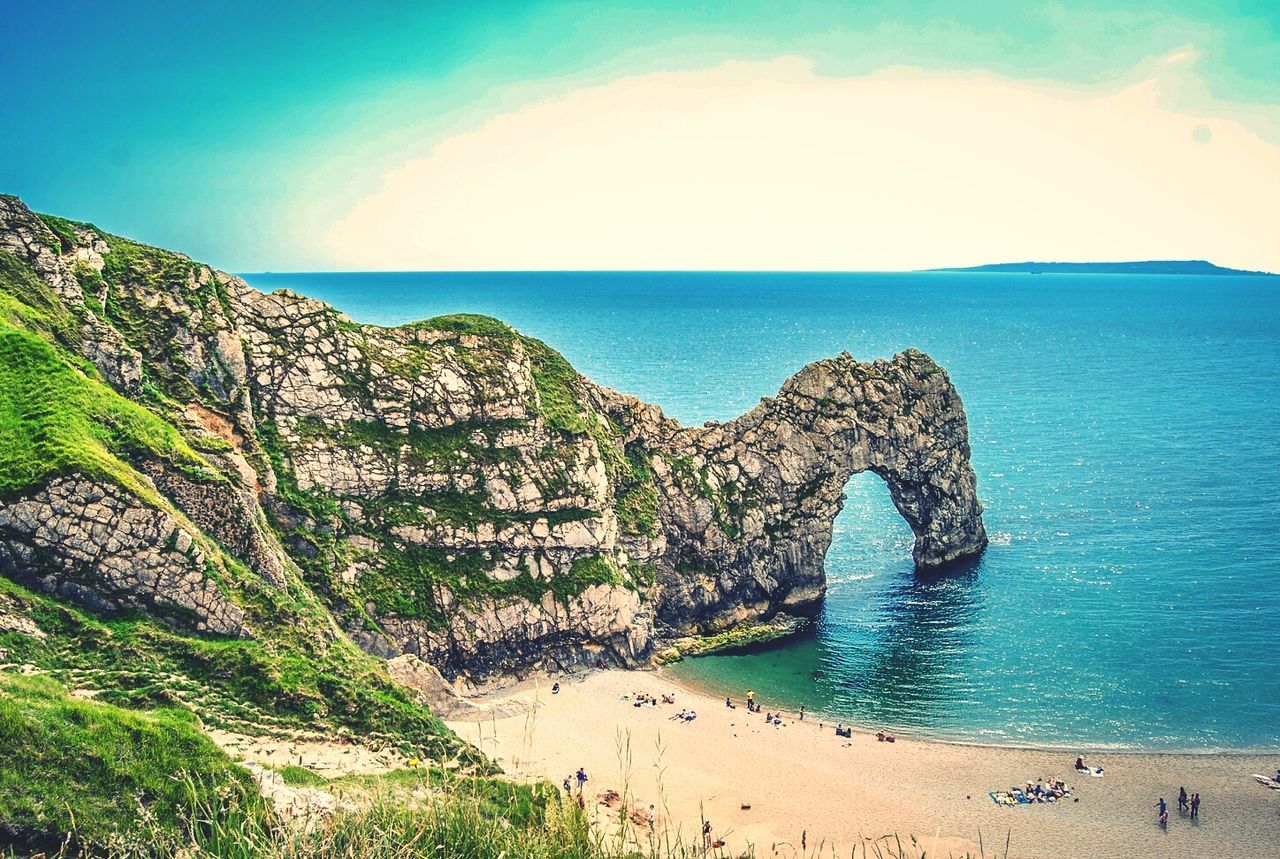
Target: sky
[{"x": 652, "y": 135}]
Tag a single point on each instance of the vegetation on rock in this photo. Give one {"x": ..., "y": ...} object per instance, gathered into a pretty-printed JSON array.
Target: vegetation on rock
[{"x": 55, "y": 418}]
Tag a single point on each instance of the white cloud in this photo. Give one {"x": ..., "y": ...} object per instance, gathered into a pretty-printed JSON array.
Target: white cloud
[{"x": 769, "y": 166}]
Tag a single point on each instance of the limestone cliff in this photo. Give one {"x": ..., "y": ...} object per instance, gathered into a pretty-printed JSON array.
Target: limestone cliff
[{"x": 449, "y": 489}]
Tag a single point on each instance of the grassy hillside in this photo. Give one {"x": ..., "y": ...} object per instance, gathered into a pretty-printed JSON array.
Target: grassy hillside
[
  {"x": 102, "y": 772},
  {"x": 56, "y": 418}
]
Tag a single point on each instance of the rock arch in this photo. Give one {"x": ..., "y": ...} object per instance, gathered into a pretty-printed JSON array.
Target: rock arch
[{"x": 748, "y": 505}]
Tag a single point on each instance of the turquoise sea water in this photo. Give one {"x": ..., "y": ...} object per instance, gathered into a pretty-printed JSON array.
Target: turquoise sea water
[{"x": 1126, "y": 437}]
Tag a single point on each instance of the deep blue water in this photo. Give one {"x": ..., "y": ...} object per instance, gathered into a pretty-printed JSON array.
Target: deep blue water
[{"x": 1126, "y": 436}]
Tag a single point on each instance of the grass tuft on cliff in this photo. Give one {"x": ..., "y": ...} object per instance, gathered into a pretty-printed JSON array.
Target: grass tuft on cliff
[{"x": 54, "y": 419}]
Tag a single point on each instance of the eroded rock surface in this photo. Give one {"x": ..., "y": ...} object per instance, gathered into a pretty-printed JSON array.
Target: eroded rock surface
[
  {"x": 748, "y": 505},
  {"x": 94, "y": 544}
]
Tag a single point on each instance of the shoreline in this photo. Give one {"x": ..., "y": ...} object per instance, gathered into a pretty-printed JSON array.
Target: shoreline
[
  {"x": 800, "y": 780},
  {"x": 664, "y": 671}
]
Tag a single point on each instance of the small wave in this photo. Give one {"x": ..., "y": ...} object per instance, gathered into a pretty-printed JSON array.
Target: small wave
[
  {"x": 859, "y": 577},
  {"x": 1000, "y": 538}
]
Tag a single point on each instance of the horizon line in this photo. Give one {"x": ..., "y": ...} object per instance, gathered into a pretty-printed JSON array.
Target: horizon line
[{"x": 975, "y": 269}]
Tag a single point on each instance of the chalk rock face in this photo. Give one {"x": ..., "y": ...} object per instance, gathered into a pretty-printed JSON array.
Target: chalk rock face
[
  {"x": 94, "y": 544},
  {"x": 449, "y": 489}
]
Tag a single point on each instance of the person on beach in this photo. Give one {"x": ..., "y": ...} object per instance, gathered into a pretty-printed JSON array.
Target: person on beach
[
  {"x": 1195, "y": 806},
  {"x": 728, "y": 702},
  {"x": 568, "y": 784},
  {"x": 1183, "y": 805},
  {"x": 706, "y": 834},
  {"x": 1164, "y": 811},
  {"x": 555, "y": 688},
  {"x": 582, "y": 779},
  {"x": 1080, "y": 764},
  {"x": 802, "y": 714}
]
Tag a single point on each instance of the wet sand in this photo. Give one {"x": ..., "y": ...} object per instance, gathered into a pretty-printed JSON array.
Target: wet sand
[{"x": 803, "y": 782}]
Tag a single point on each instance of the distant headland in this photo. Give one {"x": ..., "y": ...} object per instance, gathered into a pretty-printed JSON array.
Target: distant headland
[{"x": 1188, "y": 266}]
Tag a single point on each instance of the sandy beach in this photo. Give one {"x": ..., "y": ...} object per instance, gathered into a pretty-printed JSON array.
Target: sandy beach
[{"x": 806, "y": 786}]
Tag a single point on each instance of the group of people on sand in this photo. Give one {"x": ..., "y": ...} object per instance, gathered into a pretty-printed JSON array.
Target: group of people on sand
[
  {"x": 1048, "y": 791},
  {"x": 1187, "y": 804},
  {"x": 644, "y": 699},
  {"x": 580, "y": 778},
  {"x": 770, "y": 718},
  {"x": 1044, "y": 790}
]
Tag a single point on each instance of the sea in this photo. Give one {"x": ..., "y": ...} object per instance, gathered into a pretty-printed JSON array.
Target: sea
[{"x": 1126, "y": 437}]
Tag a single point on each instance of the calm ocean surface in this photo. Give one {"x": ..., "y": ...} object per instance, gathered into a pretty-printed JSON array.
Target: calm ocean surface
[{"x": 1126, "y": 436}]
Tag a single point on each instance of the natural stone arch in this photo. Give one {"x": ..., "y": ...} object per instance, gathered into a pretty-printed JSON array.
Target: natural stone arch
[{"x": 748, "y": 505}]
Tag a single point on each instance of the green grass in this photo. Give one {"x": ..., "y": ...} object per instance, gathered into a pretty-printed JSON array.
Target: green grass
[
  {"x": 55, "y": 419},
  {"x": 294, "y": 675},
  {"x": 559, "y": 388},
  {"x": 64, "y": 230},
  {"x": 474, "y": 324},
  {"x": 433, "y": 814},
  {"x": 26, "y": 301},
  {"x": 631, "y": 474},
  {"x": 433, "y": 449},
  {"x": 103, "y": 772},
  {"x": 301, "y": 777}
]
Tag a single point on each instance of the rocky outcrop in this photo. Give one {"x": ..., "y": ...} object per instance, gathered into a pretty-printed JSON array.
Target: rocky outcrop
[
  {"x": 748, "y": 505},
  {"x": 94, "y": 544},
  {"x": 452, "y": 489},
  {"x": 230, "y": 514}
]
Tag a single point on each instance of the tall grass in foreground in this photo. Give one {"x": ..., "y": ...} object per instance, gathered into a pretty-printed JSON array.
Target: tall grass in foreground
[{"x": 443, "y": 817}]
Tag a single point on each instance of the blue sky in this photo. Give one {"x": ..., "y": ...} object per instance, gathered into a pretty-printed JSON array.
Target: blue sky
[{"x": 273, "y": 135}]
